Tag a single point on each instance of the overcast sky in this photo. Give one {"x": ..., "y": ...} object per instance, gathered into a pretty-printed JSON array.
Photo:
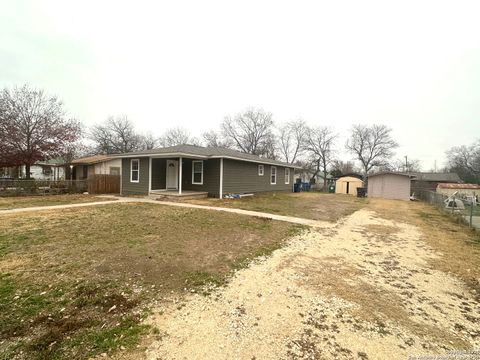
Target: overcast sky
[{"x": 411, "y": 65}]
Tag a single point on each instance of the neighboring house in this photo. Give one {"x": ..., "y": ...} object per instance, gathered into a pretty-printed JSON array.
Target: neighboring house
[
  {"x": 216, "y": 171},
  {"x": 389, "y": 185},
  {"x": 316, "y": 181},
  {"x": 462, "y": 190},
  {"x": 85, "y": 167},
  {"x": 347, "y": 185},
  {"x": 42, "y": 170},
  {"x": 430, "y": 181}
]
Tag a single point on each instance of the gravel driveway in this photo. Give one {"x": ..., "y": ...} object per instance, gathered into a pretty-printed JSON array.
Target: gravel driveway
[{"x": 362, "y": 289}]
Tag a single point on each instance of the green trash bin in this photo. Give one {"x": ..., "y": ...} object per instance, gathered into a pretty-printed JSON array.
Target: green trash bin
[{"x": 331, "y": 189}]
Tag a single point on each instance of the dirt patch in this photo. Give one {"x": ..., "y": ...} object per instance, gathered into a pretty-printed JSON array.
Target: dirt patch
[
  {"x": 307, "y": 205},
  {"x": 365, "y": 289}
]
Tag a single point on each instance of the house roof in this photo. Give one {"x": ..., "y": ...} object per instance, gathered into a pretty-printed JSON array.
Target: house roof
[
  {"x": 391, "y": 173},
  {"x": 437, "y": 177},
  {"x": 91, "y": 160},
  {"x": 204, "y": 153},
  {"x": 458, "y": 186}
]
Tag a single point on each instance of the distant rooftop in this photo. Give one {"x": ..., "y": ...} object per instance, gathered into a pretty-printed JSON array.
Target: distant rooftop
[
  {"x": 91, "y": 159},
  {"x": 458, "y": 186},
  {"x": 437, "y": 177}
]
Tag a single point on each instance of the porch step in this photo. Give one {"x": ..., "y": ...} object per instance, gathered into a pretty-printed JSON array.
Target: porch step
[{"x": 168, "y": 196}]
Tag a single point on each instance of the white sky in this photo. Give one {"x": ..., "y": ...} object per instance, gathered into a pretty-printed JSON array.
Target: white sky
[{"x": 413, "y": 65}]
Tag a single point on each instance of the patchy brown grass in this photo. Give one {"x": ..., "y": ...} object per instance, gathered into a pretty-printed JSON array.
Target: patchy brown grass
[
  {"x": 333, "y": 277},
  {"x": 78, "y": 282},
  {"x": 308, "y": 205},
  {"x": 45, "y": 200},
  {"x": 458, "y": 245}
]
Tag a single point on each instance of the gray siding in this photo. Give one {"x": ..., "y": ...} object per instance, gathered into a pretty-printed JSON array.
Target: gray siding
[
  {"x": 242, "y": 177},
  {"x": 159, "y": 173},
  {"x": 389, "y": 186},
  {"x": 211, "y": 177},
  {"x": 130, "y": 188}
]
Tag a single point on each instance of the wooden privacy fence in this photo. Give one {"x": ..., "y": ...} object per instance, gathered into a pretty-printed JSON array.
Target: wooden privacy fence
[{"x": 104, "y": 184}]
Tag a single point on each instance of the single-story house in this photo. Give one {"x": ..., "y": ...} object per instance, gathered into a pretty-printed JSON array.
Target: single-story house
[
  {"x": 42, "y": 170},
  {"x": 389, "y": 185},
  {"x": 347, "y": 185},
  {"x": 316, "y": 181},
  {"x": 210, "y": 170},
  {"x": 461, "y": 189},
  {"x": 430, "y": 180},
  {"x": 84, "y": 168}
]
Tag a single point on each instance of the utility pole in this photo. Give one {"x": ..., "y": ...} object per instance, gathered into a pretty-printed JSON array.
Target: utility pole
[{"x": 406, "y": 163}]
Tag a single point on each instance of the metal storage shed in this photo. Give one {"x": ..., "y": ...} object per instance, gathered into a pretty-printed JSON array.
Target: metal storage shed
[{"x": 389, "y": 185}]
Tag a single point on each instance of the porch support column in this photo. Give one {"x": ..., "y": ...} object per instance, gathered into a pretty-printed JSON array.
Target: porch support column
[
  {"x": 221, "y": 179},
  {"x": 180, "y": 177},
  {"x": 149, "y": 175}
]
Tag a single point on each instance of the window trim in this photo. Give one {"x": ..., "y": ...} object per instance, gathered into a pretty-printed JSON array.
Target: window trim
[
  {"x": 271, "y": 174},
  {"x": 193, "y": 172},
  {"x": 131, "y": 171},
  {"x": 287, "y": 177},
  {"x": 261, "y": 173}
]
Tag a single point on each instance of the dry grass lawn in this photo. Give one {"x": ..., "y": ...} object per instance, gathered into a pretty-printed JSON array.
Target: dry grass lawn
[
  {"x": 77, "y": 282},
  {"x": 15, "y": 202},
  {"x": 308, "y": 205}
]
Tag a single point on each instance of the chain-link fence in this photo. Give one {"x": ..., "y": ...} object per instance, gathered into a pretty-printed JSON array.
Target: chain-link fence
[
  {"x": 41, "y": 187},
  {"x": 463, "y": 206}
]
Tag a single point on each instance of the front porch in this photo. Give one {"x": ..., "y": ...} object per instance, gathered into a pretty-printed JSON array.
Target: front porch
[{"x": 183, "y": 177}]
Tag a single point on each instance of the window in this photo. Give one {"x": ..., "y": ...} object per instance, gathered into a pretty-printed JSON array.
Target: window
[
  {"x": 261, "y": 170},
  {"x": 197, "y": 172},
  {"x": 273, "y": 175},
  {"x": 287, "y": 176},
  {"x": 114, "y": 170},
  {"x": 46, "y": 170},
  {"x": 134, "y": 170}
]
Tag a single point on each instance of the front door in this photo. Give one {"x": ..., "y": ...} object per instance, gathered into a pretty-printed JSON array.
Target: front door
[{"x": 172, "y": 174}]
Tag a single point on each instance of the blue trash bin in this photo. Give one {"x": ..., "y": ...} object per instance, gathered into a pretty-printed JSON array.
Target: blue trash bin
[{"x": 296, "y": 187}]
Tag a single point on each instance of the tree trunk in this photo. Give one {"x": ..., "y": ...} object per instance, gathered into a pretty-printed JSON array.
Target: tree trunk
[{"x": 27, "y": 171}]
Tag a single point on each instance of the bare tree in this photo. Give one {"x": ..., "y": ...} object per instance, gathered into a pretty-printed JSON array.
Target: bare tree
[
  {"x": 251, "y": 132},
  {"x": 372, "y": 145},
  {"x": 465, "y": 160},
  {"x": 319, "y": 145},
  {"x": 149, "y": 141},
  {"x": 33, "y": 127},
  {"x": 339, "y": 168},
  {"x": 403, "y": 165},
  {"x": 292, "y": 138},
  {"x": 116, "y": 135},
  {"x": 215, "y": 139},
  {"x": 177, "y": 136}
]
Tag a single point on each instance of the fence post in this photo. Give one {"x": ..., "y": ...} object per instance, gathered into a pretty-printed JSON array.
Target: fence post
[{"x": 471, "y": 212}]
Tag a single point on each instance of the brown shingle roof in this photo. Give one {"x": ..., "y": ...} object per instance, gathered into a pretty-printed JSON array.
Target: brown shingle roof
[{"x": 91, "y": 159}]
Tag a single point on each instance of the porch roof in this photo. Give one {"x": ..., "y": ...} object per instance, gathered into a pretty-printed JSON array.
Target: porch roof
[{"x": 201, "y": 152}]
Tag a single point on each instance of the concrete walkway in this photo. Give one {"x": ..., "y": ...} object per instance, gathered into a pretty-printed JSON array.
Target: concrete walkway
[{"x": 118, "y": 199}]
